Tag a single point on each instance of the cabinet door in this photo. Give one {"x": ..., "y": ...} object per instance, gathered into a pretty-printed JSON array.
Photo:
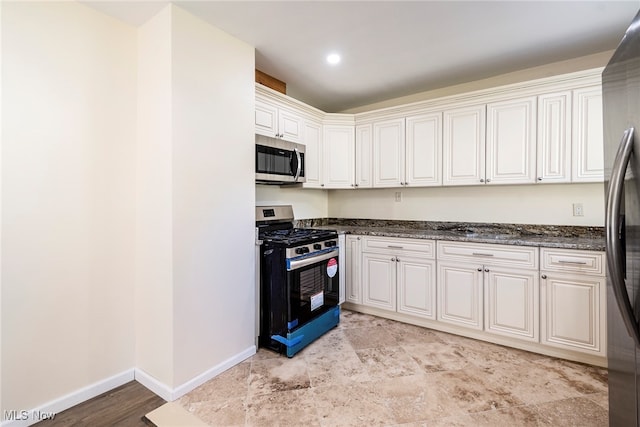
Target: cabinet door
[
  {"x": 417, "y": 287},
  {"x": 423, "y": 161},
  {"x": 388, "y": 153},
  {"x": 290, "y": 126},
  {"x": 312, "y": 140},
  {"x": 587, "y": 144},
  {"x": 339, "y": 151},
  {"x": 463, "y": 148},
  {"x": 511, "y": 302},
  {"x": 353, "y": 285},
  {"x": 379, "y": 281},
  {"x": 364, "y": 156},
  {"x": 266, "y": 118},
  {"x": 511, "y": 141},
  {"x": 460, "y": 294},
  {"x": 573, "y": 312},
  {"x": 554, "y": 137}
]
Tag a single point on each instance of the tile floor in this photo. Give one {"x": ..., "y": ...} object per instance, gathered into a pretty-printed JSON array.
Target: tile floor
[{"x": 371, "y": 371}]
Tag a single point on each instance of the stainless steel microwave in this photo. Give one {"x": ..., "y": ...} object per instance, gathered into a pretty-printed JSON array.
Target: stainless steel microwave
[{"x": 278, "y": 161}]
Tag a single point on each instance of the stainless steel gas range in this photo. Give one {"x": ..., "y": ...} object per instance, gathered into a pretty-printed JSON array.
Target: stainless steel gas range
[{"x": 299, "y": 281}]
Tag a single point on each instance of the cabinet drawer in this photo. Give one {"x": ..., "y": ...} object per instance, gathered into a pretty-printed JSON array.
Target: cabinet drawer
[
  {"x": 416, "y": 247},
  {"x": 504, "y": 255},
  {"x": 573, "y": 261}
]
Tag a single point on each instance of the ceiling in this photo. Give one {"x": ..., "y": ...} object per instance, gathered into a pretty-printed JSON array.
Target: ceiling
[{"x": 396, "y": 48}]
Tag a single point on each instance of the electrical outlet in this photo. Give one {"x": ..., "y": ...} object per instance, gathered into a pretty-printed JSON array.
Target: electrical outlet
[
  {"x": 398, "y": 196},
  {"x": 578, "y": 210}
]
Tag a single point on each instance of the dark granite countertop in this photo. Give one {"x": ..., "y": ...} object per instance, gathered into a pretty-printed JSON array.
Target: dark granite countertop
[{"x": 549, "y": 236}]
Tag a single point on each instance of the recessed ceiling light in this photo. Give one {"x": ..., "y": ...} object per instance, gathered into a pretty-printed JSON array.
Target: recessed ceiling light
[{"x": 333, "y": 58}]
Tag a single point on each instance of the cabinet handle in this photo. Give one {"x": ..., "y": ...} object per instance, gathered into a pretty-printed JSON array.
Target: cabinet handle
[
  {"x": 352, "y": 185},
  {"x": 357, "y": 238},
  {"x": 321, "y": 185},
  {"x": 488, "y": 180},
  {"x": 539, "y": 178},
  {"x": 481, "y": 180},
  {"x": 544, "y": 276},
  {"x": 486, "y": 270},
  {"x": 479, "y": 269},
  {"x": 393, "y": 259},
  {"x": 397, "y": 259},
  {"x": 394, "y": 247},
  {"x": 480, "y": 254},
  {"x": 356, "y": 185},
  {"x": 561, "y": 261}
]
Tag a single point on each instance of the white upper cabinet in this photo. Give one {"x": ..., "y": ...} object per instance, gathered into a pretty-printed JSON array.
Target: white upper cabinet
[
  {"x": 511, "y": 141},
  {"x": 339, "y": 151},
  {"x": 364, "y": 156},
  {"x": 423, "y": 156},
  {"x": 313, "y": 153},
  {"x": 274, "y": 121},
  {"x": 587, "y": 143},
  {"x": 388, "y": 153},
  {"x": 463, "y": 148},
  {"x": 554, "y": 137}
]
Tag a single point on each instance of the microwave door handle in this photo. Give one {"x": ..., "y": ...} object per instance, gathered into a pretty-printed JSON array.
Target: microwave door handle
[
  {"x": 612, "y": 225},
  {"x": 298, "y": 165}
]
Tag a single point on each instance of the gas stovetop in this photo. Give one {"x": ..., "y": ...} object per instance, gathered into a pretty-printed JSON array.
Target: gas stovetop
[{"x": 296, "y": 236}]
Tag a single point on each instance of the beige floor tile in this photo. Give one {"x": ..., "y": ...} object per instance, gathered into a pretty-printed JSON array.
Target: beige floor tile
[
  {"x": 583, "y": 378},
  {"x": 231, "y": 412},
  {"x": 521, "y": 416},
  {"x": 351, "y": 319},
  {"x": 233, "y": 382},
  {"x": 473, "y": 390},
  {"x": 281, "y": 374},
  {"x": 409, "y": 334},
  {"x": 283, "y": 408},
  {"x": 355, "y": 404},
  {"x": 369, "y": 337},
  {"x": 579, "y": 412},
  {"x": 388, "y": 362},
  {"x": 601, "y": 399},
  {"x": 341, "y": 367},
  {"x": 437, "y": 356}
]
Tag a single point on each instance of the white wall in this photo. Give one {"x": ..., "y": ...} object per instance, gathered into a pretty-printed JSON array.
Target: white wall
[
  {"x": 307, "y": 203},
  {"x": 518, "y": 204},
  {"x": 68, "y": 168},
  {"x": 213, "y": 196},
  {"x": 154, "y": 206}
]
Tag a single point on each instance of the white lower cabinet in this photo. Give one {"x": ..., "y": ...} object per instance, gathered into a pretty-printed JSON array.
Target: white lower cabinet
[
  {"x": 478, "y": 289},
  {"x": 460, "y": 294},
  {"x": 353, "y": 286},
  {"x": 399, "y": 275},
  {"x": 573, "y": 294}
]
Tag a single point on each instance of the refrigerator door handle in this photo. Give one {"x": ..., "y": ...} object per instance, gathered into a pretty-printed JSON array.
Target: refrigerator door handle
[{"x": 612, "y": 225}]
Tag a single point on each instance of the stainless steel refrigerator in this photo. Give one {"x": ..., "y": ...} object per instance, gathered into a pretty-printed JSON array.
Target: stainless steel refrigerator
[{"x": 621, "y": 107}]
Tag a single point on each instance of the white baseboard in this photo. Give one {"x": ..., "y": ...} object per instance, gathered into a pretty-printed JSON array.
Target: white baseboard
[
  {"x": 169, "y": 394},
  {"x": 22, "y": 417}
]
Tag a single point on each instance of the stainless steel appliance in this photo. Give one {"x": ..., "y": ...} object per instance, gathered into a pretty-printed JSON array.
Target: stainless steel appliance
[
  {"x": 278, "y": 161},
  {"x": 300, "y": 284},
  {"x": 621, "y": 107}
]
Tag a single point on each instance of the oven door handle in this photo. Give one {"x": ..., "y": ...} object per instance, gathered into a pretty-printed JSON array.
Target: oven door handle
[{"x": 299, "y": 263}]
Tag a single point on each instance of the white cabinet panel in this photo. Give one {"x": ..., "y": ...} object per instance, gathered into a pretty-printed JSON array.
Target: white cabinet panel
[
  {"x": 266, "y": 119},
  {"x": 339, "y": 151},
  {"x": 511, "y": 141},
  {"x": 554, "y": 137},
  {"x": 512, "y": 304},
  {"x": 388, "y": 153},
  {"x": 587, "y": 144},
  {"x": 364, "y": 156},
  {"x": 573, "y": 313},
  {"x": 463, "y": 155},
  {"x": 313, "y": 155},
  {"x": 423, "y": 163},
  {"x": 290, "y": 126},
  {"x": 460, "y": 294},
  {"x": 274, "y": 121},
  {"x": 416, "y": 287},
  {"x": 353, "y": 286},
  {"x": 379, "y": 281}
]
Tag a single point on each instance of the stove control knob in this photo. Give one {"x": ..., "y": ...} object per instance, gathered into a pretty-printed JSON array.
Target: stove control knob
[
  {"x": 305, "y": 250},
  {"x": 329, "y": 243},
  {"x": 317, "y": 246},
  {"x": 300, "y": 251}
]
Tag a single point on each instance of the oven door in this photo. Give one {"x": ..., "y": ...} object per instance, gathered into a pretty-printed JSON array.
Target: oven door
[{"x": 313, "y": 286}]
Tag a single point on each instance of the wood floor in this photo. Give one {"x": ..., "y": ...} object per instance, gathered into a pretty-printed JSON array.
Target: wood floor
[{"x": 123, "y": 406}]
